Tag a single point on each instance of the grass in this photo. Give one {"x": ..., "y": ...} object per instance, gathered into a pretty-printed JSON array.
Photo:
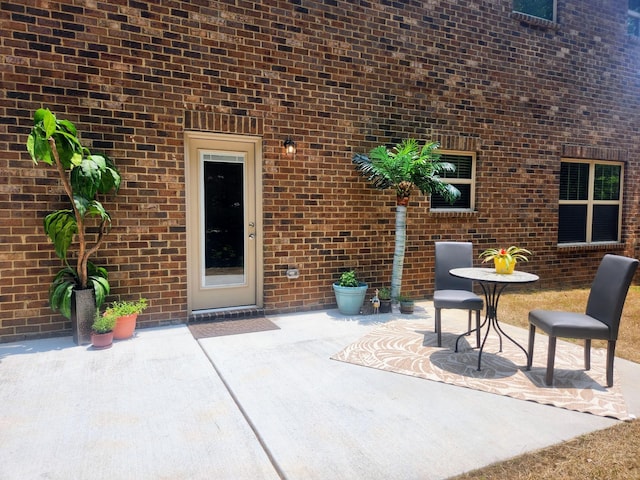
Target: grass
[{"x": 610, "y": 454}]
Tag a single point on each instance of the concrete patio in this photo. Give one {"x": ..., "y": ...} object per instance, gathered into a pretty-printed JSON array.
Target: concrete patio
[{"x": 263, "y": 405}]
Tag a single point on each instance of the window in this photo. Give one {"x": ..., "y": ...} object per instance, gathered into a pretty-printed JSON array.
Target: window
[
  {"x": 590, "y": 201},
  {"x": 633, "y": 18},
  {"x": 545, "y": 9},
  {"x": 463, "y": 179}
]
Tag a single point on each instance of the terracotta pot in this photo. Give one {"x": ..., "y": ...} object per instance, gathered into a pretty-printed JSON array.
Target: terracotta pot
[
  {"x": 501, "y": 265},
  {"x": 125, "y": 327},
  {"x": 102, "y": 341}
]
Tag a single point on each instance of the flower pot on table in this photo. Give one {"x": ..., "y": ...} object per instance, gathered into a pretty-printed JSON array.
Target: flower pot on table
[{"x": 502, "y": 267}]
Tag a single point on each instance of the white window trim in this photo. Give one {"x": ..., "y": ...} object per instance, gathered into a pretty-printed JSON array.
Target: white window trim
[
  {"x": 461, "y": 181},
  {"x": 590, "y": 202}
]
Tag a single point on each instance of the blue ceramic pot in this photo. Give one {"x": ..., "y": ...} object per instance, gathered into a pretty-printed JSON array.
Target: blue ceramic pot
[{"x": 350, "y": 299}]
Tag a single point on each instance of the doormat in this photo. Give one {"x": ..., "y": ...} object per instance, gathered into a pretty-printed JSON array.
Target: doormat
[
  {"x": 409, "y": 347},
  {"x": 231, "y": 327}
]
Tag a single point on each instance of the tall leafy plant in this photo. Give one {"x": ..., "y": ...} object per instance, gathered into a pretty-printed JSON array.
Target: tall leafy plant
[
  {"x": 83, "y": 176},
  {"x": 405, "y": 167}
]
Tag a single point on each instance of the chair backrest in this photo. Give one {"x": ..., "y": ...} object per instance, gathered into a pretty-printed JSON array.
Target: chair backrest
[
  {"x": 452, "y": 255},
  {"x": 609, "y": 290}
]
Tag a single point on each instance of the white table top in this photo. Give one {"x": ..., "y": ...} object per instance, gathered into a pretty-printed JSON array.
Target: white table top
[{"x": 490, "y": 275}]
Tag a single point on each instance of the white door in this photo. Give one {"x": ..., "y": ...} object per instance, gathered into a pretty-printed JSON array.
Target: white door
[{"x": 224, "y": 264}]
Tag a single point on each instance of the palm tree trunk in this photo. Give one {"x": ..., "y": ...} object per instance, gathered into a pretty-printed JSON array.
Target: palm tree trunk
[{"x": 398, "y": 254}]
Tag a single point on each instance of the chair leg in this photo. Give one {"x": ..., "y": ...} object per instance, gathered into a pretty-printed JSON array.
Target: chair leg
[
  {"x": 611, "y": 353},
  {"x": 477, "y": 328},
  {"x": 438, "y": 326},
  {"x": 587, "y": 354},
  {"x": 469, "y": 322},
  {"x": 532, "y": 336},
  {"x": 551, "y": 358}
]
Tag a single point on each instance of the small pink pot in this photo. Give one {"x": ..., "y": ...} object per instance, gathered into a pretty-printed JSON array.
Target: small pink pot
[{"x": 101, "y": 341}]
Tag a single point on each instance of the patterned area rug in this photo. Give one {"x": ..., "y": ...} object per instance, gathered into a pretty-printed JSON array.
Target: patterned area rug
[
  {"x": 409, "y": 347},
  {"x": 219, "y": 328}
]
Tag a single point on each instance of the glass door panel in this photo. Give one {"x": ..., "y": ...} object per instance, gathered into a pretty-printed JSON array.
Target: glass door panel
[{"x": 224, "y": 212}]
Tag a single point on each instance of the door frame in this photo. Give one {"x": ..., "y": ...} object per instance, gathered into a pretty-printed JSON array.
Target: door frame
[{"x": 192, "y": 214}]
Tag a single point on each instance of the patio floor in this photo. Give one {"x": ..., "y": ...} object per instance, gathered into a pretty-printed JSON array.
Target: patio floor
[{"x": 263, "y": 405}]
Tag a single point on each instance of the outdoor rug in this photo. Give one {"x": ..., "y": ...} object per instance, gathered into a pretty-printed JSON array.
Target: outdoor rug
[
  {"x": 409, "y": 347},
  {"x": 219, "y": 328}
]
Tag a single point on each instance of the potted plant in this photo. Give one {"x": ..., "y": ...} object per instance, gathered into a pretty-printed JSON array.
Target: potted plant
[
  {"x": 406, "y": 167},
  {"x": 102, "y": 330},
  {"x": 77, "y": 290},
  {"x": 406, "y": 303},
  {"x": 126, "y": 313},
  {"x": 350, "y": 293},
  {"x": 384, "y": 294},
  {"x": 505, "y": 259}
]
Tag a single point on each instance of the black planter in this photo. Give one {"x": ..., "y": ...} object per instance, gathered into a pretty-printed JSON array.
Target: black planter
[
  {"x": 83, "y": 311},
  {"x": 385, "y": 306}
]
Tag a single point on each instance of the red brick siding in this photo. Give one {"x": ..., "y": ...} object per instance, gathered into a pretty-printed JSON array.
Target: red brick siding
[{"x": 339, "y": 78}]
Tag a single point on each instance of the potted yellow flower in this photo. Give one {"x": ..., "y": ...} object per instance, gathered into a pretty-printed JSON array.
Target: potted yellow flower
[{"x": 505, "y": 259}]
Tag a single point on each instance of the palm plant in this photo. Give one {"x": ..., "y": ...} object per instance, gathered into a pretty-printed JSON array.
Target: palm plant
[
  {"x": 405, "y": 167},
  {"x": 83, "y": 176}
]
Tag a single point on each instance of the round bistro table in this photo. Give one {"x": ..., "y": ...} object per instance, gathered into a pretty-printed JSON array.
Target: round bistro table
[{"x": 492, "y": 285}]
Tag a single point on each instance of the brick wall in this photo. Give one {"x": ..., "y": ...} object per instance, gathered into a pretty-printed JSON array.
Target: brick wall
[{"x": 339, "y": 78}]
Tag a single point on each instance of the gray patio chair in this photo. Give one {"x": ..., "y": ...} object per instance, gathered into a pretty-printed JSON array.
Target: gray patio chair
[
  {"x": 601, "y": 320},
  {"x": 453, "y": 292}
]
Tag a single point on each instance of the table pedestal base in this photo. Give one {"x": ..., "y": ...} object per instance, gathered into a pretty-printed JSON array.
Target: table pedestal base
[{"x": 492, "y": 293}]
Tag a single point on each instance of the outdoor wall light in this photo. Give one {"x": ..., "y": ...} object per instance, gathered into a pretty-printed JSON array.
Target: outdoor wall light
[{"x": 289, "y": 146}]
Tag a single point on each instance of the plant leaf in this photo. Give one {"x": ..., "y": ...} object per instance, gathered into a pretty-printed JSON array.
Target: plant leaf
[
  {"x": 369, "y": 170},
  {"x": 98, "y": 278},
  {"x": 110, "y": 177},
  {"x": 82, "y": 204},
  {"x": 61, "y": 290},
  {"x": 60, "y": 227},
  {"x": 87, "y": 177},
  {"x": 95, "y": 208},
  {"x": 48, "y": 122},
  {"x": 69, "y": 149},
  {"x": 69, "y": 127}
]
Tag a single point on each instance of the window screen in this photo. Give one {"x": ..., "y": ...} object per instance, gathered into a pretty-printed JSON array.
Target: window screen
[{"x": 536, "y": 8}]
